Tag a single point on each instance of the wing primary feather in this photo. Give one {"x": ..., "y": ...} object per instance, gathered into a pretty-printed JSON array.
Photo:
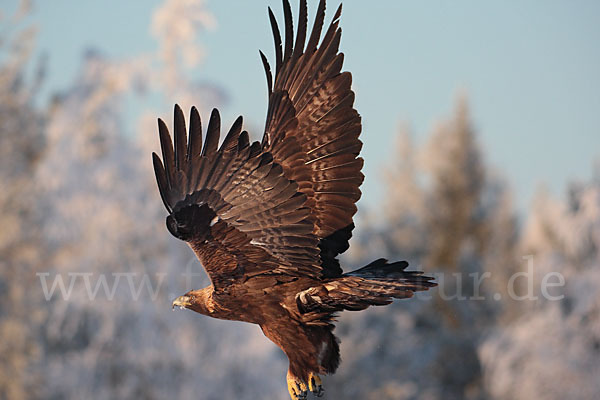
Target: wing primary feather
[
  {"x": 161, "y": 179},
  {"x": 212, "y": 133},
  {"x": 338, "y": 13},
  {"x": 331, "y": 40},
  {"x": 268, "y": 73},
  {"x": 289, "y": 30},
  {"x": 230, "y": 141},
  {"x": 330, "y": 45},
  {"x": 243, "y": 140},
  {"x": 292, "y": 68},
  {"x": 317, "y": 27},
  {"x": 166, "y": 146},
  {"x": 195, "y": 136},
  {"x": 277, "y": 41},
  {"x": 255, "y": 149},
  {"x": 302, "y": 22},
  {"x": 179, "y": 133}
]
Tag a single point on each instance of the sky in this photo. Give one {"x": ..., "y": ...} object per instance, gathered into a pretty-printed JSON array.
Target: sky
[{"x": 530, "y": 70}]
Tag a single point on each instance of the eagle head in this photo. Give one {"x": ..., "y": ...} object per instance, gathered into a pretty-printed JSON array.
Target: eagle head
[
  {"x": 182, "y": 302},
  {"x": 196, "y": 300}
]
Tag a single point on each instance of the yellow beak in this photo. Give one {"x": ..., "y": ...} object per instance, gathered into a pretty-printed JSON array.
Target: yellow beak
[{"x": 181, "y": 302}]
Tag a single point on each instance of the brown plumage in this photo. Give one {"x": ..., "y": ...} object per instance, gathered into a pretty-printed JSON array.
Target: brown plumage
[{"x": 268, "y": 220}]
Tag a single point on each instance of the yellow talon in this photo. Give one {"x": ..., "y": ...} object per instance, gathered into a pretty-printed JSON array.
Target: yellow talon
[
  {"x": 315, "y": 384},
  {"x": 296, "y": 388},
  {"x": 313, "y": 381},
  {"x": 292, "y": 389}
]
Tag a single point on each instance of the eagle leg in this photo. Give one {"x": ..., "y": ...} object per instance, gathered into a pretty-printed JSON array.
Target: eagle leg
[
  {"x": 296, "y": 387},
  {"x": 315, "y": 385}
]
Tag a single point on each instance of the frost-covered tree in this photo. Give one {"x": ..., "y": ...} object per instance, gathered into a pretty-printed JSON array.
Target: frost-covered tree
[
  {"x": 21, "y": 146},
  {"x": 79, "y": 204},
  {"x": 448, "y": 214},
  {"x": 553, "y": 350}
]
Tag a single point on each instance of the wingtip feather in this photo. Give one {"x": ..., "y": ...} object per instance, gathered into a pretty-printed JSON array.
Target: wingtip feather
[
  {"x": 195, "y": 135},
  {"x": 179, "y": 133},
  {"x": 268, "y": 73},
  {"x": 212, "y": 133},
  {"x": 161, "y": 180}
]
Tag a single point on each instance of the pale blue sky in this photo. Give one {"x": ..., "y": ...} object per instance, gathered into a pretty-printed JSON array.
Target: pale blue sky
[{"x": 531, "y": 70}]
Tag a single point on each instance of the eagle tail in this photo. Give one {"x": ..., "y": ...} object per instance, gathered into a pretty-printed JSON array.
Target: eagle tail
[
  {"x": 375, "y": 284},
  {"x": 379, "y": 282},
  {"x": 381, "y": 269}
]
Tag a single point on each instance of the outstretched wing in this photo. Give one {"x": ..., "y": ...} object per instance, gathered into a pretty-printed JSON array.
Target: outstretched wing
[
  {"x": 233, "y": 204},
  {"x": 312, "y": 128}
]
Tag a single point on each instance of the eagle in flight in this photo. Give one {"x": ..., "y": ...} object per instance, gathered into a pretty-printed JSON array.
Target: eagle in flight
[{"x": 268, "y": 219}]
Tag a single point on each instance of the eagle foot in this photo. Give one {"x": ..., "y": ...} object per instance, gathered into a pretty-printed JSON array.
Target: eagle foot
[
  {"x": 315, "y": 385},
  {"x": 297, "y": 388}
]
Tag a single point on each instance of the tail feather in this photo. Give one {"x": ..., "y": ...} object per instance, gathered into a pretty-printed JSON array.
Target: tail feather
[
  {"x": 381, "y": 270},
  {"x": 375, "y": 284}
]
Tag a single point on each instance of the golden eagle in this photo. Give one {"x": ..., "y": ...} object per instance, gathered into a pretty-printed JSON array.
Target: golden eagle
[{"x": 267, "y": 220}]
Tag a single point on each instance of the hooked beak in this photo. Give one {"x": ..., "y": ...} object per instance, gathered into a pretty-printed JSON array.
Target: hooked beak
[{"x": 181, "y": 302}]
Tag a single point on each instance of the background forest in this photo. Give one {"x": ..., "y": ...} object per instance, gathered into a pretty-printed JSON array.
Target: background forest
[{"x": 88, "y": 270}]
